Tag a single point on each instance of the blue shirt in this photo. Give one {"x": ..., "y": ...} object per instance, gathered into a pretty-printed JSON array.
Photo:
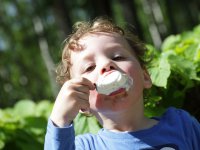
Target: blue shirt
[{"x": 176, "y": 130}]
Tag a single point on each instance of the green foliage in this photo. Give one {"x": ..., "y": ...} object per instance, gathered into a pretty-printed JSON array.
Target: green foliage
[
  {"x": 174, "y": 70},
  {"x": 86, "y": 124},
  {"x": 23, "y": 126}
]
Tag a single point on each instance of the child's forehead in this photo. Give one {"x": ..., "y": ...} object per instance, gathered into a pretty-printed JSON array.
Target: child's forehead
[
  {"x": 99, "y": 35},
  {"x": 101, "y": 42},
  {"x": 102, "y": 39}
]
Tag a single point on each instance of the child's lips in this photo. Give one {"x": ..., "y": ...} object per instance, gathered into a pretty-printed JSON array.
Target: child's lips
[
  {"x": 121, "y": 93},
  {"x": 121, "y": 90}
]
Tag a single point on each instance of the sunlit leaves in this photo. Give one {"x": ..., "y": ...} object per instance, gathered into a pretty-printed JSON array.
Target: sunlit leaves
[
  {"x": 23, "y": 126},
  {"x": 180, "y": 55},
  {"x": 174, "y": 69},
  {"x": 160, "y": 71}
]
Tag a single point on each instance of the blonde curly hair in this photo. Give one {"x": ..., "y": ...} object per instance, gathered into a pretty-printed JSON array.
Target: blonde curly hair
[{"x": 100, "y": 24}]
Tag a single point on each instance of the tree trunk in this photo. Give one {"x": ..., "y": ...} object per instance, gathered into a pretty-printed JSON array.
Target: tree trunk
[
  {"x": 62, "y": 17},
  {"x": 130, "y": 13},
  {"x": 38, "y": 26}
]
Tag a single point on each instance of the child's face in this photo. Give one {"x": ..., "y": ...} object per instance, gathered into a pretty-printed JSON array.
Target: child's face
[{"x": 103, "y": 52}]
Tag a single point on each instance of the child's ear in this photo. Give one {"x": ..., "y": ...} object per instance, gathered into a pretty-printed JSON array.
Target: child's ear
[{"x": 147, "y": 79}]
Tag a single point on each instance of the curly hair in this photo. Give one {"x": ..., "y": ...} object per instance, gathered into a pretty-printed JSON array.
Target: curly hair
[{"x": 100, "y": 24}]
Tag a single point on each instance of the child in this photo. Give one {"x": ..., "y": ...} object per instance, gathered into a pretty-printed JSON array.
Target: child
[{"x": 92, "y": 50}]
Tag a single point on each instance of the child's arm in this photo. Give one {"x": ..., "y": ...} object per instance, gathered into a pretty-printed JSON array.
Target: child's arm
[
  {"x": 59, "y": 138},
  {"x": 73, "y": 96},
  {"x": 195, "y": 134},
  {"x": 191, "y": 129}
]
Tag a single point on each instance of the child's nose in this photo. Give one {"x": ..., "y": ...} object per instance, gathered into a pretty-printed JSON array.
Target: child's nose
[{"x": 107, "y": 68}]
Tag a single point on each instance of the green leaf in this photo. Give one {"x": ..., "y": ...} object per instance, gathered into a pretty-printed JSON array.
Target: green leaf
[
  {"x": 21, "y": 127},
  {"x": 84, "y": 124},
  {"x": 192, "y": 52},
  {"x": 25, "y": 108},
  {"x": 185, "y": 68},
  {"x": 26, "y": 141},
  {"x": 152, "y": 112},
  {"x": 35, "y": 124},
  {"x": 43, "y": 108},
  {"x": 2, "y": 144},
  {"x": 152, "y": 101},
  {"x": 170, "y": 42},
  {"x": 197, "y": 30},
  {"x": 2, "y": 140},
  {"x": 8, "y": 119},
  {"x": 160, "y": 71}
]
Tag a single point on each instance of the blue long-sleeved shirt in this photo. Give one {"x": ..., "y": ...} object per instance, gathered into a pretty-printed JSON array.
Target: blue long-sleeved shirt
[{"x": 176, "y": 130}]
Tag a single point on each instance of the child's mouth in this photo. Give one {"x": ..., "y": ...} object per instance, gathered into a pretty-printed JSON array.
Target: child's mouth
[{"x": 119, "y": 91}]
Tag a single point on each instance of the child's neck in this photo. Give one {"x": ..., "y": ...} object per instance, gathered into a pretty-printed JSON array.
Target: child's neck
[
  {"x": 128, "y": 121},
  {"x": 143, "y": 124}
]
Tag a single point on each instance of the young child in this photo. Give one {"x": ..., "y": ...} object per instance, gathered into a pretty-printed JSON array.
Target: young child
[{"x": 101, "y": 47}]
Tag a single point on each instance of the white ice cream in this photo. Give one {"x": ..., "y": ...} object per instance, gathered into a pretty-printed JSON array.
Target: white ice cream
[{"x": 112, "y": 82}]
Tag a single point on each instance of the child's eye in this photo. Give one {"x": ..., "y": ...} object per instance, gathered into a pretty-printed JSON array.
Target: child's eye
[
  {"x": 118, "y": 58},
  {"x": 90, "y": 68}
]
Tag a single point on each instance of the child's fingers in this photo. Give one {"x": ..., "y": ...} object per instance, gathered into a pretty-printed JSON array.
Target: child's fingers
[
  {"x": 81, "y": 88},
  {"x": 84, "y": 81},
  {"x": 84, "y": 104},
  {"x": 83, "y": 96}
]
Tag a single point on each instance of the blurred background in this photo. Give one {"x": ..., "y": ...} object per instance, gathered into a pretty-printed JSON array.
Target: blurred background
[
  {"x": 31, "y": 36},
  {"x": 32, "y": 32}
]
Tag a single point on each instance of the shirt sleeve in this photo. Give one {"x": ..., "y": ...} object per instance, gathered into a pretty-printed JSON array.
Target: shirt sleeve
[
  {"x": 59, "y": 138},
  {"x": 192, "y": 129},
  {"x": 195, "y": 134}
]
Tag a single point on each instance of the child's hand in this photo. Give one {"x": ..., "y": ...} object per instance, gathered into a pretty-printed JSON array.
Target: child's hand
[{"x": 73, "y": 96}]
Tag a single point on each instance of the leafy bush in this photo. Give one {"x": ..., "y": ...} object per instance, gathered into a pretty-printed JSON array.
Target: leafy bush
[
  {"x": 175, "y": 70},
  {"x": 23, "y": 126}
]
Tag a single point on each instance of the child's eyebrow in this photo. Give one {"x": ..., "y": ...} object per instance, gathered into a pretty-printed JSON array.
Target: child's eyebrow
[
  {"x": 115, "y": 46},
  {"x": 82, "y": 60},
  {"x": 108, "y": 50},
  {"x": 87, "y": 57}
]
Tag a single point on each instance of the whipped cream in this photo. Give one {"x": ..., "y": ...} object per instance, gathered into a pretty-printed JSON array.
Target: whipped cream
[{"x": 109, "y": 83}]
